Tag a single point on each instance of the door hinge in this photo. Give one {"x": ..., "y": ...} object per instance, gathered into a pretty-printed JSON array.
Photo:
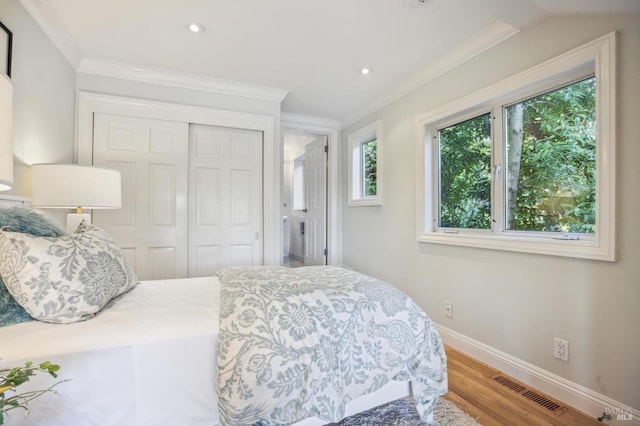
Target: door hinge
[
  {"x": 325, "y": 252},
  {"x": 326, "y": 149}
]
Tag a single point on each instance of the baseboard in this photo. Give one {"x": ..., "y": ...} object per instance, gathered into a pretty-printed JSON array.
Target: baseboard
[{"x": 572, "y": 394}]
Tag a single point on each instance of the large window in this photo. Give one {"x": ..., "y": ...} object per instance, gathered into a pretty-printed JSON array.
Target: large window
[{"x": 527, "y": 164}]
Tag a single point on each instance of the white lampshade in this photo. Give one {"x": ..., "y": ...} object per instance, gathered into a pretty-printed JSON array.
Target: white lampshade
[
  {"x": 69, "y": 186},
  {"x": 6, "y": 133}
]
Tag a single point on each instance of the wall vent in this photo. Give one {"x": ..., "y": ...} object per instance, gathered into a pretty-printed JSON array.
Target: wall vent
[{"x": 530, "y": 395}]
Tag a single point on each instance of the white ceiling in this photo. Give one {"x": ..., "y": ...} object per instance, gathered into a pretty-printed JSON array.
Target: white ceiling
[{"x": 313, "y": 49}]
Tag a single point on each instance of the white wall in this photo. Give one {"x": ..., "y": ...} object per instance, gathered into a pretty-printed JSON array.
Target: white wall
[
  {"x": 44, "y": 97},
  {"x": 515, "y": 302}
]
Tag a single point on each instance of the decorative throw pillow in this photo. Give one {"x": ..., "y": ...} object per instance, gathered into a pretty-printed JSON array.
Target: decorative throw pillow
[
  {"x": 21, "y": 219},
  {"x": 64, "y": 279}
]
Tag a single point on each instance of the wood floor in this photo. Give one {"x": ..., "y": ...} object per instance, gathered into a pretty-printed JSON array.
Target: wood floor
[{"x": 474, "y": 388}]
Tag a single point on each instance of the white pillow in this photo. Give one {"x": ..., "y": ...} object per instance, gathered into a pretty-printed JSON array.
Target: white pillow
[{"x": 64, "y": 279}]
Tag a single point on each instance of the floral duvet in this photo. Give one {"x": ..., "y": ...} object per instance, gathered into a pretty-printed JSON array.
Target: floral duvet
[{"x": 296, "y": 343}]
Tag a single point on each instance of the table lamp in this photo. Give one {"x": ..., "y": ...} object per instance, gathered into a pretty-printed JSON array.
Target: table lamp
[{"x": 70, "y": 186}]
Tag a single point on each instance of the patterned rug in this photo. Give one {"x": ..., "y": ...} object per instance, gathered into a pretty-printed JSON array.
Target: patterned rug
[{"x": 402, "y": 412}]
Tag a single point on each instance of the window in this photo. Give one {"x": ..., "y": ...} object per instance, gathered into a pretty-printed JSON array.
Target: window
[
  {"x": 526, "y": 164},
  {"x": 550, "y": 164},
  {"x": 369, "y": 168},
  {"x": 465, "y": 174},
  {"x": 365, "y": 166}
]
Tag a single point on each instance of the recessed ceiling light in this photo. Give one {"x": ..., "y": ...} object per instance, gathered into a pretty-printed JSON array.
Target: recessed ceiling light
[
  {"x": 365, "y": 70},
  {"x": 195, "y": 28}
]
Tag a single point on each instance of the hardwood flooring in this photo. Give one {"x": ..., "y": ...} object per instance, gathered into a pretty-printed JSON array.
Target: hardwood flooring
[{"x": 474, "y": 388}]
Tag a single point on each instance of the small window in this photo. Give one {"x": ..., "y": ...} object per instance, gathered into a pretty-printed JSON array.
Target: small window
[
  {"x": 365, "y": 171},
  {"x": 369, "y": 168},
  {"x": 527, "y": 164}
]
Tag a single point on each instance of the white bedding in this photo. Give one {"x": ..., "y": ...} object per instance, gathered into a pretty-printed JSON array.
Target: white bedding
[
  {"x": 117, "y": 361},
  {"x": 145, "y": 359}
]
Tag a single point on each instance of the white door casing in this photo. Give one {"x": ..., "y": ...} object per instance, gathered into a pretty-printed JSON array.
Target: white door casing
[
  {"x": 225, "y": 198},
  {"x": 91, "y": 103},
  {"x": 335, "y": 194},
  {"x": 315, "y": 181},
  {"x": 152, "y": 157}
]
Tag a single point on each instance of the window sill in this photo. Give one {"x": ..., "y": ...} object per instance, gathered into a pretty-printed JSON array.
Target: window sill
[
  {"x": 583, "y": 249},
  {"x": 370, "y": 201}
]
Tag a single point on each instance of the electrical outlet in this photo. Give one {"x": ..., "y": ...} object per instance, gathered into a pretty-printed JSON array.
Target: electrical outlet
[
  {"x": 561, "y": 349},
  {"x": 448, "y": 308}
]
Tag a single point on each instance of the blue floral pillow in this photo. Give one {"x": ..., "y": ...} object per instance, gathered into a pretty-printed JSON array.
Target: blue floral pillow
[
  {"x": 64, "y": 279},
  {"x": 20, "y": 219}
]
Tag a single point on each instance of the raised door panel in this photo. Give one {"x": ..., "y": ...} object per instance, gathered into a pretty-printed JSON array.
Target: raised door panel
[
  {"x": 241, "y": 254},
  {"x": 126, "y": 215},
  {"x": 162, "y": 262},
  {"x": 162, "y": 195},
  {"x": 208, "y": 260},
  {"x": 207, "y": 191},
  {"x": 241, "y": 198}
]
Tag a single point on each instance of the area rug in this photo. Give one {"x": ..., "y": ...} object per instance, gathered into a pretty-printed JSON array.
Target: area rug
[{"x": 402, "y": 412}]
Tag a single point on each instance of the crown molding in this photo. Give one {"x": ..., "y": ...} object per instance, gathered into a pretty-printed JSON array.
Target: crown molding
[
  {"x": 178, "y": 79},
  {"x": 483, "y": 41},
  {"x": 48, "y": 21},
  {"x": 290, "y": 118}
]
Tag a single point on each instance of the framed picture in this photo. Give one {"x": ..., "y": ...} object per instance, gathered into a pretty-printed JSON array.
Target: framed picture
[{"x": 6, "y": 42}]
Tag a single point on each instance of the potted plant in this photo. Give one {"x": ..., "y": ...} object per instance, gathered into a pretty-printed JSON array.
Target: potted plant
[{"x": 11, "y": 378}]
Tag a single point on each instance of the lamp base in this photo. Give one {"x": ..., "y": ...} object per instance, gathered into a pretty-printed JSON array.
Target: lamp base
[{"x": 74, "y": 220}]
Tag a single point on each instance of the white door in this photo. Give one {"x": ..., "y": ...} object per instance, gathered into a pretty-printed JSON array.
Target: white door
[
  {"x": 225, "y": 198},
  {"x": 151, "y": 226},
  {"x": 315, "y": 179}
]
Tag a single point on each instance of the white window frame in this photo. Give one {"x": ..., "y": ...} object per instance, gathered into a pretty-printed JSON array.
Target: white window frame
[
  {"x": 595, "y": 58},
  {"x": 368, "y": 133}
]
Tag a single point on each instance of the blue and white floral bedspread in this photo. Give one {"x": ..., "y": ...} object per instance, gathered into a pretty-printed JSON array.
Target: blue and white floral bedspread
[{"x": 296, "y": 343}]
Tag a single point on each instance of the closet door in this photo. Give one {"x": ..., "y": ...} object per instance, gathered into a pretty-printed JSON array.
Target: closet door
[
  {"x": 152, "y": 156},
  {"x": 225, "y": 198}
]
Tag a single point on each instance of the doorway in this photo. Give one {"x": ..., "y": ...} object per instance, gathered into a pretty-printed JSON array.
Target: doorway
[{"x": 304, "y": 199}]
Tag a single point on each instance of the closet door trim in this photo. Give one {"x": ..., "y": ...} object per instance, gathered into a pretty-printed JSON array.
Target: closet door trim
[{"x": 91, "y": 103}]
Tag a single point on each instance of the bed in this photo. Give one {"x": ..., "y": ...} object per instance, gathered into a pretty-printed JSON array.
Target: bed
[{"x": 195, "y": 352}]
